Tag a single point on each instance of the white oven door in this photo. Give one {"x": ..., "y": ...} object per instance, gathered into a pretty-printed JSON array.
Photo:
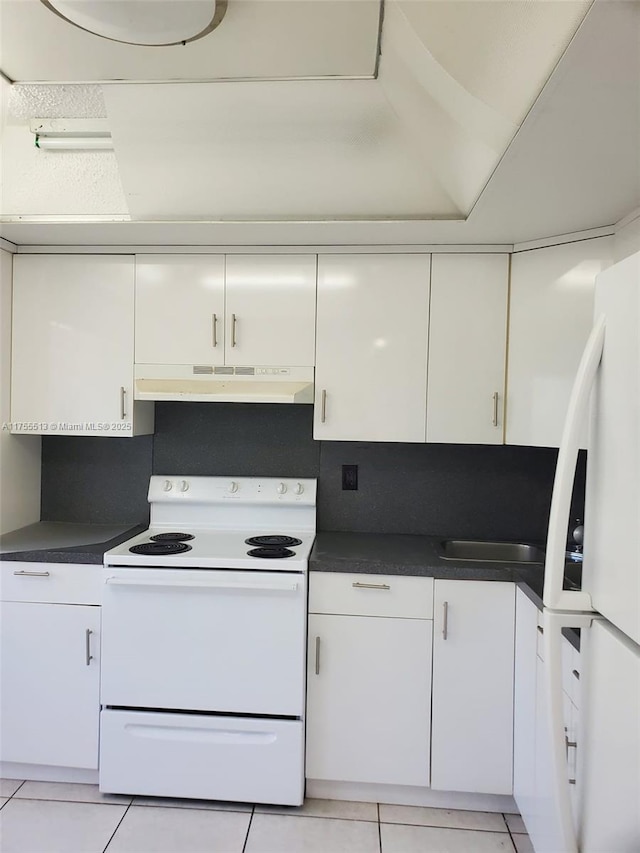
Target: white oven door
[{"x": 222, "y": 641}]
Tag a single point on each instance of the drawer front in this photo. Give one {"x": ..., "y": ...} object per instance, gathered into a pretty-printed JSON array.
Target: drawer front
[
  {"x": 371, "y": 595},
  {"x": 204, "y": 757},
  {"x": 50, "y": 583}
]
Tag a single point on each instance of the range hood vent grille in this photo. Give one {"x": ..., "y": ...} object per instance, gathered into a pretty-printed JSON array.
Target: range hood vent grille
[{"x": 245, "y": 384}]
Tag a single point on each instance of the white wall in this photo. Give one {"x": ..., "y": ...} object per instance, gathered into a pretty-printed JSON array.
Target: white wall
[
  {"x": 19, "y": 454},
  {"x": 626, "y": 240}
]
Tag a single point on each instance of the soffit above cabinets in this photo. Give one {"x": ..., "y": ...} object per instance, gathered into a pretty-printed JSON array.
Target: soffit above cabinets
[
  {"x": 405, "y": 156},
  {"x": 257, "y": 39}
]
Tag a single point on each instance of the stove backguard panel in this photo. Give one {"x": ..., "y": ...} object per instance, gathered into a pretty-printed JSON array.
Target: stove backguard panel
[{"x": 452, "y": 490}]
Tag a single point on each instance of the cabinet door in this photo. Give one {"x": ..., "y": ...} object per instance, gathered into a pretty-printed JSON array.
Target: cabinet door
[
  {"x": 467, "y": 348},
  {"x": 180, "y": 309},
  {"x": 472, "y": 709},
  {"x": 73, "y": 343},
  {"x": 49, "y": 696},
  {"x": 524, "y": 706},
  {"x": 270, "y": 310},
  {"x": 368, "y": 694},
  {"x": 371, "y": 350},
  {"x": 550, "y": 317}
]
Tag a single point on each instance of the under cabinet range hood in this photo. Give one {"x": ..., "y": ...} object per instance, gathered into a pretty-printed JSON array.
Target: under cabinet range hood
[{"x": 224, "y": 384}]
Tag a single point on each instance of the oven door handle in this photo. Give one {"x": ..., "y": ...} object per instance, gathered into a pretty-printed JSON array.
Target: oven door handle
[{"x": 272, "y": 586}]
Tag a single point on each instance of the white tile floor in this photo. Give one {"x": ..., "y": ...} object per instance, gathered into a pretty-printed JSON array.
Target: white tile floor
[{"x": 48, "y": 817}]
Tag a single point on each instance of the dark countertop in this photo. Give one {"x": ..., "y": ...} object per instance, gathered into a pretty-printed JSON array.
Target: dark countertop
[
  {"x": 62, "y": 542},
  {"x": 402, "y": 554},
  {"x": 370, "y": 553}
]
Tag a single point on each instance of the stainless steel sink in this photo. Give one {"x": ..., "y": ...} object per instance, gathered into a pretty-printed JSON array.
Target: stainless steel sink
[{"x": 491, "y": 552}]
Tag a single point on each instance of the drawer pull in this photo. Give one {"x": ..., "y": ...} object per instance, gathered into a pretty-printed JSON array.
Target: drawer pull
[
  {"x": 323, "y": 407},
  {"x": 317, "y": 655},
  {"x": 576, "y": 673},
  {"x": 358, "y": 585},
  {"x": 24, "y": 574},
  {"x": 87, "y": 646},
  {"x": 540, "y": 629},
  {"x": 123, "y": 405}
]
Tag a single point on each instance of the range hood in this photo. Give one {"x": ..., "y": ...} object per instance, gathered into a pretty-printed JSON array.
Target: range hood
[{"x": 223, "y": 384}]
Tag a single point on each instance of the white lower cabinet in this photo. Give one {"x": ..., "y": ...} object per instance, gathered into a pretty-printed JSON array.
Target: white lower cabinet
[
  {"x": 49, "y": 667},
  {"x": 533, "y": 785},
  {"x": 524, "y": 710},
  {"x": 472, "y": 705},
  {"x": 369, "y": 680}
]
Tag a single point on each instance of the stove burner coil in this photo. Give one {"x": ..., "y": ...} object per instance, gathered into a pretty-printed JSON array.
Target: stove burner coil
[
  {"x": 273, "y": 541},
  {"x": 158, "y": 549},
  {"x": 171, "y": 537},
  {"x": 271, "y": 553}
]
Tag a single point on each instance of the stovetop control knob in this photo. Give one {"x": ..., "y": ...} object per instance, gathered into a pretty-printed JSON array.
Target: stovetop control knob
[
  {"x": 168, "y": 485},
  {"x": 281, "y": 489},
  {"x": 184, "y": 486},
  {"x": 299, "y": 489},
  {"x": 232, "y": 487}
]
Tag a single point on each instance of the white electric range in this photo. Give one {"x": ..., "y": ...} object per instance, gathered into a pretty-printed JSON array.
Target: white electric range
[{"x": 204, "y": 643}]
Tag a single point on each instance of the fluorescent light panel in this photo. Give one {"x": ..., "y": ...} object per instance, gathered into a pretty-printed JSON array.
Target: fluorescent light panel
[
  {"x": 74, "y": 143},
  {"x": 72, "y": 134}
]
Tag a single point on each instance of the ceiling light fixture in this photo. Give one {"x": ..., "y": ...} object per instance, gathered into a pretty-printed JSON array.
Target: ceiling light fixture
[
  {"x": 72, "y": 134},
  {"x": 147, "y": 23}
]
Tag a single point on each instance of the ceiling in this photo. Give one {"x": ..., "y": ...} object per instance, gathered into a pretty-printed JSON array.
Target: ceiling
[
  {"x": 463, "y": 136},
  {"x": 256, "y": 39}
]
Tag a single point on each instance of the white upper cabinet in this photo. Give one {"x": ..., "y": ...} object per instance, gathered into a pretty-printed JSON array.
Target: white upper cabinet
[
  {"x": 371, "y": 352},
  {"x": 467, "y": 348},
  {"x": 270, "y": 309},
  {"x": 72, "y": 347},
  {"x": 240, "y": 310},
  {"x": 551, "y": 314},
  {"x": 180, "y": 309}
]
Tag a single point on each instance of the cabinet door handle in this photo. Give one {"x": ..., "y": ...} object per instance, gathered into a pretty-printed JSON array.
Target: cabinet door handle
[
  {"x": 359, "y": 585},
  {"x": 32, "y": 574},
  {"x": 123, "y": 409},
  {"x": 234, "y": 323},
  {"x": 540, "y": 629},
  {"x": 214, "y": 330},
  {"x": 87, "y": 646},
  {"x": 576, "y": 674},
  {"x": 323, "y": 406},
  {"x": 317, "y": 655},
  {"x": 445, "y": 619},
  {"x": 496, "y": 397}
]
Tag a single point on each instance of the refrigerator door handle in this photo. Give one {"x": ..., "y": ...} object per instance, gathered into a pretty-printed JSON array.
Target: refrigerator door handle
[{"x": 554, "y": 596}]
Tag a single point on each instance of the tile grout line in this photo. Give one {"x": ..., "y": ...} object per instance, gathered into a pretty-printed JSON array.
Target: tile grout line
[
  {"x": 444, "y": 826},
  {"x": 513, "y": 843},
  {"x": 379, "y": 827},
  {"x": 117, "y": 827},
  {"x": 246, "y": 838}
]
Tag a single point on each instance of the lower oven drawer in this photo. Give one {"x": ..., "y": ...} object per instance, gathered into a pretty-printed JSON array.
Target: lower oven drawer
[{"x": 204, "y": 757}]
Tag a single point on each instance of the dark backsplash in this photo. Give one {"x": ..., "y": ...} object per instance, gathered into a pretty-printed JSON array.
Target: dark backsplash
[{"x": 444, "y": 489}]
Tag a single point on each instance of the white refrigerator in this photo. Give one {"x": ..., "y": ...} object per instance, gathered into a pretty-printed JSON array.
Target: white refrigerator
[{"x": 601, "y": 813}]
